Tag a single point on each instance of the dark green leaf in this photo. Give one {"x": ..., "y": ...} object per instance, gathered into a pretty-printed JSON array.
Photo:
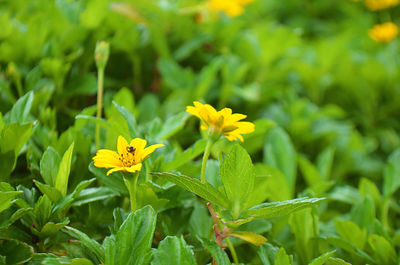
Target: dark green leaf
[{"x": 173, "y": 251}]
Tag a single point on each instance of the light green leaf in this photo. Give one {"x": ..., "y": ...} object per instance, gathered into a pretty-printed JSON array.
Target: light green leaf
[
  {"x": 94, "y": 194},
  {"x": 321, "y": 260},
  {"x": 276, "y": 184},
  {"x": 336, "y": 261},
  {"x": 352, "y": 233},
  {"x": 172, "y": 125},
  {"x": 383, "y": 251},
  {"x": 7, "y": 199},
  {"x": 173, "y": 251},
  {"x": 237, "y": 175},
  {"x": 130, "y": 120},
  {"x": 49, "y": 165},
  {"x": 116, "y": 183},
  {"x": 61, "y": 183},
  {"x": 391, "y": 174},
  {"x": 281, "y": 258},
  {"x": 274, "y": 209},
  {"x": 204, "y": 190},
  {"x": 20, "y": 110}
]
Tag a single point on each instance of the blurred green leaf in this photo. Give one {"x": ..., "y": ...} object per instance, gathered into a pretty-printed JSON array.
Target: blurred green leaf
[
  {"x": 279, "y": 152},
  {"x": 391, "y": 174},
  {"x": 217, "y": 253}
]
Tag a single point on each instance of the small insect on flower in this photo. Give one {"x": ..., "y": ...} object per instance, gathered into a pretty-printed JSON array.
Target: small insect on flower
[
  {"x": 128, "y": 158},
  {"x": 221, "y": 122}
]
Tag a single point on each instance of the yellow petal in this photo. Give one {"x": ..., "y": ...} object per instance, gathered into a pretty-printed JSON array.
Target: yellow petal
[
  {"x": 139, "y": 144},
  {"x": 149, "y": 150},
  {"x": 192, "y": 110},
  {"x": 122, "y": 144},
  {"x": 134, "y": 168},
  {"x": 235, "y": 117},
  {"x": 115, "y": 169},
  {"x": 244, "y": 127},
  {"x": 106, "y": 158}
]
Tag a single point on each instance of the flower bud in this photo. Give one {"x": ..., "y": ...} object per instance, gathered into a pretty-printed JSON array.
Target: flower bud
[{"x": 101, "y": 54}]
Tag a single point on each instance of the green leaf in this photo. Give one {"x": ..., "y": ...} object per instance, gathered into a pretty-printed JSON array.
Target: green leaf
[
  {"x": 253, "y": 140},
  {"x": 93, "y": 194},
  {"x": 101, "y": 122},
  {"x": 14, "y": 136},
  {"x": 204, "y": 190},
  {"x": 281, "y": 258},
  {"x": 188, "y": 155},
  {"x": 130, "y": 120},
  {"x": 172, "y": 125},
  {"x": 49, "y": 165},
  {"x": 277, "y": 186},
  {"x": 42, "y": 211},
  {"x": 250, "y": 237},
  {"x": 53, "y": 194},
  {"x": 336, "y": 261},
  {"x": 279, "y": 152},
  {"x": 267, "y": 254},
  {"x": 86, "y": 241},
  {"x": 173, "y": 251},
  {"x": 304, "y": 228},
  {"x": 133, "y": 239},
  {"x": 61, "y": 183},
  {"x": 383, "y": 251},
  {"x": 200, "y": 222},
  {"x": 7, "y": 199},
  {"x": 217, "y": 253},
  {"x": 116, "y": 182},
  {"x": 352, "y": 233},
  {"x": 321, "y": 260},
  {"x": 237, "y": 175},
  {"x": 7, "y": 161},
  {"x": 15, "y": 252},
  {"x": 274, "y": 209},
  {"x": 391, "y": 174},
  {"x": 50, "y": 228},
  {"x": 20, "y": 110}
]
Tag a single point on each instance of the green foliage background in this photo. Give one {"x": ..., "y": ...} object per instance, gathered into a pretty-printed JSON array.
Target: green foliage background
[{"x": 323, "y": 96}]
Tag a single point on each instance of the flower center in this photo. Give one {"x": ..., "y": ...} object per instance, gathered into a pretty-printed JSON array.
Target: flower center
[{"x": 128, "y": 159}]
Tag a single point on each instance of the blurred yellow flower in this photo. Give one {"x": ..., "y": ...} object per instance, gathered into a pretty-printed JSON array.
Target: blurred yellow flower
[
  {"x": 232, "y": 8},
  {"x": 375, "y": 5},
  {"x": 129, "y": 157},
  {"x": 383, "y": 32},
  {"x": 221, "y": 122}
]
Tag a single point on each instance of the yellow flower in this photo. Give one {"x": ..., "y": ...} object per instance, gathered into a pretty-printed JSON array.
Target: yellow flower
[
  {"x": 221, "y": 122},
  {"x": 232, "y": 8},
  {"x": 375, "y": 5},
  {"x": 383, "y": 32},
  {"x": 129, "y": 157}
]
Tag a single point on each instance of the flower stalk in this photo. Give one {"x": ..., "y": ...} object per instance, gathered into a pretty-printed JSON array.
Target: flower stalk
[
  {"x": 130, "y": 183},
  {"x": 101, "y": 58},
  {"x": 206, "y": 155}
]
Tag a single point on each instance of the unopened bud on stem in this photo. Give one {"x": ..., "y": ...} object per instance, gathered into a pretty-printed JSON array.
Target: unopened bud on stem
[{"x": 101, "y": 54}]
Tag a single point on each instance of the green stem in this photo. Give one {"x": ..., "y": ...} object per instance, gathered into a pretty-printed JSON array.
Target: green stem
[
  {"x": 232, "y": 250},
  {"x": 131, "y": 183},
  {"x": 206, "y": 154},
  {"x": 385, "y": 212},
  {"x": 100, "y": 81},
  {"x": 19, "y": 87}
]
